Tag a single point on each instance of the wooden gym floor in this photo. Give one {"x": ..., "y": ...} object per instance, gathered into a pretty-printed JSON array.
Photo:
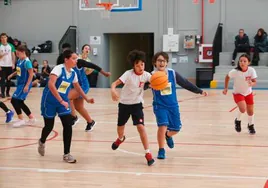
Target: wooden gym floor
[{"x": 208, "y": 152}]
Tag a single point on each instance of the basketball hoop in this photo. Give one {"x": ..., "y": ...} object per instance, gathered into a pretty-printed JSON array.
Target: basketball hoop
[{"x": 105, "y": 14}]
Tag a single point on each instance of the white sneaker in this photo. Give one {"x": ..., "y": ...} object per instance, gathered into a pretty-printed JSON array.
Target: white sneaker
[
  {"x": 19, "y": 123},
  {"x": 31, "y": 121}
]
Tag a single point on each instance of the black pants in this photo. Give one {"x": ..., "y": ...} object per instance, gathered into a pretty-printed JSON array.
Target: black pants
[
  {"x": 66, "y": 121},
  {"x": 241, "y": 49},
  {"x": 92, "y": 79},
  {"x": 5, "y": 83},
  {"x": 4, "y": 107},
  {"x": 19, "y": 105}
]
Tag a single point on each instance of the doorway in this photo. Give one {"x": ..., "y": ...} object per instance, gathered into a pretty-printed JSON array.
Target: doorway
[{"x": 120, "y": 44}]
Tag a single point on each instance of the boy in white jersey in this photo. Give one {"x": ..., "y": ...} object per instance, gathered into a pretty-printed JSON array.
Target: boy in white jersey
[
  {"x": 244, "y": 78},
  {"x": 131, "y": 99},
  {"x": 7, "y": 64}
]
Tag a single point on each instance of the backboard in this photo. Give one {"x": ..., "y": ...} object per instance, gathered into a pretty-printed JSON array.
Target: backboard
[{"x": 118, "y": 5}]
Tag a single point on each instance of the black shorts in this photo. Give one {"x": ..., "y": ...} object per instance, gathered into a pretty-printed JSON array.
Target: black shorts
[{"x": 135, "y": 110}]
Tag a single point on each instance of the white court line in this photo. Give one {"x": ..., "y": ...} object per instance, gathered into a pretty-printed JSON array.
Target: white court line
[{"x": 133, "y": 173}]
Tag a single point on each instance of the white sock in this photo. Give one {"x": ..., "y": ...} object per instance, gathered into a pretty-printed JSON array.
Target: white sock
[
  {"x": 238, "y": 115},
  {"x": 8, "y": 111},
  {"x": 122, "y": 138},
  {"x": 147, "y": 151},
  {"x": 251, "y": 120}
]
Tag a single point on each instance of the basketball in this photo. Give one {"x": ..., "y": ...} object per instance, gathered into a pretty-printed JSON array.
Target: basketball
[{"x": 159, "y": 80}]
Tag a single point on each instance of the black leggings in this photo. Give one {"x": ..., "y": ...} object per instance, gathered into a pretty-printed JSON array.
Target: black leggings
[
  {"x": 4, "y": 107},
  {"x": 5, "y": 83},
  {"x": 20, "y": 105},
  {"x": 66, "y": 121}
]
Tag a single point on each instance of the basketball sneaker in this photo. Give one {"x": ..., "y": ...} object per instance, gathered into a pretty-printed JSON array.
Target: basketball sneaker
[
  {"x": 237, "y": 126},
  {"x": 69, "y": 158},
  {"x": 251, "y": 129},
  {"x": 75, "y": 121},
  {"x": 41, "y": 148},
  {"x": 170, "y": 141},
  {"x": 116, "y": 144},
  {"x": 9, "y": 116},
  {"x": 90, "y": 126},
  {"x": 161, "y": 153},
  {"x": 149, "y": 159}
]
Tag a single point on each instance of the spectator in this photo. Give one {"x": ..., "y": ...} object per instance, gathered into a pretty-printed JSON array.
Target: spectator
[
  {"x": 241, "y": 44},
  {"x": 7, "y": 64},
  {"x": 260, "y": 43}
]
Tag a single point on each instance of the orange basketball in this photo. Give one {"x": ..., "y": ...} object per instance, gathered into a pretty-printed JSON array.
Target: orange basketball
[{"x": 159, "y": 80}]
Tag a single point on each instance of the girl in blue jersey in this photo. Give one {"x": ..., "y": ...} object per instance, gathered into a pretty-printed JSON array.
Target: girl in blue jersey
[
  {"x": 24, "y": 72},
  {"x": 55, "y": 101},
  {"x": 76, "y": 101},
  {"x": 165, "y": 104}
]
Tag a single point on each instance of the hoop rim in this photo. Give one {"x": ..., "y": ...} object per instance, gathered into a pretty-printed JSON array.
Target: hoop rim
[{"x": 107, "y": 5}]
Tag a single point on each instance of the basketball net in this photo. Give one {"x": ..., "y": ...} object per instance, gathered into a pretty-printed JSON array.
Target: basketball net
[{"x": 106, "y": 13}]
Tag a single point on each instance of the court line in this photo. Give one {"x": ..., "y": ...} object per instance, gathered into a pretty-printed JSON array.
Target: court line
[
  {"x": 138, "y": 142},
  {"x": 25, "y": 145},
  {"x": 132, "y": 173}
]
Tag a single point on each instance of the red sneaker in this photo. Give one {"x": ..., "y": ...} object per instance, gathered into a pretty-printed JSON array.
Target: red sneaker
[
  {"x": 149, "y": 159},
  {"x": 116, "y": 144}
]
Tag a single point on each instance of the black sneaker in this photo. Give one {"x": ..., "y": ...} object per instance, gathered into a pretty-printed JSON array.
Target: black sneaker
[
  {"x": 90, "y": 126},
  {"x": 8, "y": 95},
  {"x": 3, "y": 95},
  {"x": 75, "y": 120},
  {"x": 233, "y": 63},
  {"x": 237, "y": 126},
  {"x": 251, "y": 129}
]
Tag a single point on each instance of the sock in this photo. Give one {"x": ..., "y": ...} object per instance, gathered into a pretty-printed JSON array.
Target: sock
[
  {"x": 251, "y": 120},
  {"x": 8, "y": 111},
  {"x": 238, "y": 116},
  {"x": 122, "y": 138},
  {"x": 167, "y": 135},
  {"x": 147, "y": 151}
]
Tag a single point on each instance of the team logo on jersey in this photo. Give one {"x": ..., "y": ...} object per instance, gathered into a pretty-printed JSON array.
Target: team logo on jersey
[
  {"x": 63, "y": 87},
  {"x": 167, "y": 90},
  {"x": 141, "y": 84},
  {"x": 18, "y": 71},
  {"x": 248, "y": 78}
]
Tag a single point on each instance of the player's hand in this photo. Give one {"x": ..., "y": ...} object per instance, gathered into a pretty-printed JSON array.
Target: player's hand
[
  {"x": 90, "y": 100},
  {"x": 204, "y": 93},
  {"x": 26, "y": 89},
  {"x": 115, "y": 96},
  {"x": 225, "y": 91},
  {"x": 9, "y": 77},
  {"x": 65, "y": 104},
  {"x": 107, "y": 74},
  {"x": 250, "y": 83}
]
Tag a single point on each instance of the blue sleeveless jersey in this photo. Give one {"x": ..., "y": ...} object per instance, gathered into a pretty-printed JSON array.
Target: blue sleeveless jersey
[
  {"x": 22, "y": 78},
  {"x": 63, "y": 85},
  {"x": 167, "y": 97},
  {"x": 82, "y": 78}
]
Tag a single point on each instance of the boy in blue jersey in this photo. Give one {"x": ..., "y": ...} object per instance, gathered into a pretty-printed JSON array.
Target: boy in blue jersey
[
  {"x": 24, "y": 72},
  {"x": 165, "y": 104},
  {"x": 55, "y": 101}
]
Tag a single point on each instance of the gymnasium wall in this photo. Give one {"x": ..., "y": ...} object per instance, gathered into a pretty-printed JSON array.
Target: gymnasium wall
[{"x": 35, "y": 21}]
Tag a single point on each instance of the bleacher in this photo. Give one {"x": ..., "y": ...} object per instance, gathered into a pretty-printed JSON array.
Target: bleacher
[{"x": 225, "y": 67}]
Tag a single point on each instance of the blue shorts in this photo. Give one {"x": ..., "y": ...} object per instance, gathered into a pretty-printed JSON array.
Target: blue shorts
[
  {"x": 169, "y": 117},
  {"x": 19, "y": 94},
  {"x": 49, "y": 110}
]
